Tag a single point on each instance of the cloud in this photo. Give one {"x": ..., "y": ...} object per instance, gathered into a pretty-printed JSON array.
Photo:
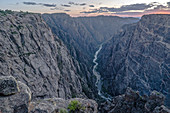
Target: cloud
[
  {"x": 129, "y": 9},
  {"x": 160, "y": 7},
  {"x": 64, "y": 5},
  {"x": 73, "y": 3},
  {"x": 94, "y": 11},
  {"x": 88, "y": 12},
  {"x": 150, "y": 11},
  {"x": 30, "y": 3},
  {"x": 141, "y": 6},
  {"x": 168, "y": 3},
  {"x": 91, "y": 5},
  {"x": 49, "y": 5},
  {"x": 78, "y": 4},
  {"x": 83, "y": 4},
  {"x": 67, "y": 10},
  {"x": 57, "y": 8},
  {"x": 42, "y": 4}
]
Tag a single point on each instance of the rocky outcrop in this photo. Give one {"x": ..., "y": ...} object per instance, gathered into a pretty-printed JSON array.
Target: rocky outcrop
[
  {"x": 30, "y": 53},
  {"x": 132, "y": 102},
  {"x": 82, "y": 37},
  {"x": 8, "y": 85},
  {"x": 20, "y": 101},
  {"x": 138, "y": 57},
  {"x": 17, "y": 101}
]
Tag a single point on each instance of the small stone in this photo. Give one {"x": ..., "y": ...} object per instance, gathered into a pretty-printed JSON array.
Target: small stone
[{"x": 8, "y": 85}]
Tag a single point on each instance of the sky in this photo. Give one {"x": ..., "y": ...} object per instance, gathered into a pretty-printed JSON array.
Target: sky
[{"x": 123, "y": 8}]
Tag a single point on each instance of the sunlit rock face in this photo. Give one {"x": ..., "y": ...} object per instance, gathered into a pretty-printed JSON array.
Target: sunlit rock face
[{"x": 138, "y": 57}]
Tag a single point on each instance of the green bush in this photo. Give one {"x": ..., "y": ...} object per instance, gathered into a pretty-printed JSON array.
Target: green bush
[
  {"x": 75, "y": 106},
  {"x": 14, "y": 32},
  {"x": 20, "y": 27},
  {"x": 3, "y": 13},
  {"x": 63, "y": 110},
  {"x": 9, "y": 11}
]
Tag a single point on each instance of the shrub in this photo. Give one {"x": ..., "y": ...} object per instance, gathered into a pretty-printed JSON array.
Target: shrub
[
  {"x": 2, "y": 13},
  {"x": 14, "y": 32},
  {"x": 63, "y": 110},
  {"x": 9, "y": 11},
  {"x": 20, "y": 27},
  {"x": 75, "y": 106}
]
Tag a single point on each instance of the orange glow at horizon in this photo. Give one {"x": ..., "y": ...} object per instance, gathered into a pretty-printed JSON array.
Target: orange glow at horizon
[{"x": 161, "y": 12}]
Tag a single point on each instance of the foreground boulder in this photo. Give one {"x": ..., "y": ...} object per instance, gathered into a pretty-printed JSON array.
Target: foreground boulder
[
  {"x": 132, "y": 102},
  {"x": 8, "y": 85},
  {"x": 19, "y": 101}
]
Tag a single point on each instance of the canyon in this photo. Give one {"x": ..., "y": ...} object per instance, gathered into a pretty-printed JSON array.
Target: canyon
[
  {"x": 82, "y": 36},
  {"x": 49, "y": 60}
]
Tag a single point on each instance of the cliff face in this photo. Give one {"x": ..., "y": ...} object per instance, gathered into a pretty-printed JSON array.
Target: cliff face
[
  {"x": 138, "y": 57},
  {"x": 30, "y": 53},
  {"x": 83, "y": 35},
  {"x": 77, "y": 39}
]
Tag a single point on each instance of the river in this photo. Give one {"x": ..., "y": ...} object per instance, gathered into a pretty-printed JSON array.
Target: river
[{"x": 98, "y": 76}]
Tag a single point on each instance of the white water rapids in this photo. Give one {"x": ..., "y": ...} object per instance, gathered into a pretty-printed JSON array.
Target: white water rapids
[{"x": 98, "y": 76}]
